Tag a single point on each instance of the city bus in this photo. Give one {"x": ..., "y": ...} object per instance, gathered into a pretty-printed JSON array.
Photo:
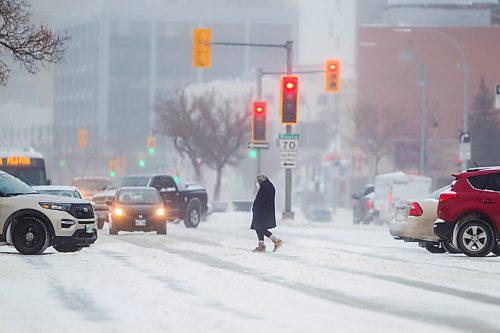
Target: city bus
[{"x": 25, "y": 164}]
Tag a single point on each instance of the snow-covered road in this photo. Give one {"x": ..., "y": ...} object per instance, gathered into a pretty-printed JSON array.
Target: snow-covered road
[{"x": 328, "y": 277}]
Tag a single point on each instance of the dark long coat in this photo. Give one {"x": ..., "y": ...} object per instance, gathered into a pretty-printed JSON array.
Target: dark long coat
[{"x": 263, "y": 207}]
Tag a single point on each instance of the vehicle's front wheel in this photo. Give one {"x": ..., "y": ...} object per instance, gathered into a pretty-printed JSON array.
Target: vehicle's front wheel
[
  {"x": 450, "y": 247},
  {"x": 162, "y": 230},
  {"x": 67, "y": 248},
  {"x": 193, "y": 213},
  {"x": 112, "y": 229},
  {"x": 475, "y": 238},
  {"x": 30, "y": 236},
  {"x": 433, "y": 247}
]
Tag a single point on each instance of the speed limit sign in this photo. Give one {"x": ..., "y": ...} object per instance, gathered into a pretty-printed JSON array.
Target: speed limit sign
[{"x": 289, "y": 144}]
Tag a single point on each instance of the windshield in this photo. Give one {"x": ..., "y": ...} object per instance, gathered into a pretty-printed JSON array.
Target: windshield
[
  {"x": 138, "y": 197},
  {"x": 131, "y": 181},
  {"x": 11, "y": 186},
  {"x": 436, "y": 193},
  {"x": 30, "y": 175},
  {"x": 91, "y": 184},
  {"x": 64, "y": 193}
]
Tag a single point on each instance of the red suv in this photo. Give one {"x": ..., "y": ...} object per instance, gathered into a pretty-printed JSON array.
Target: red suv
[{"x": 469, "y": 213}]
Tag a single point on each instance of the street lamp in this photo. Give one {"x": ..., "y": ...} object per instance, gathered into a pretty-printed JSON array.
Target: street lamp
[{"x": 460, "y": 50}]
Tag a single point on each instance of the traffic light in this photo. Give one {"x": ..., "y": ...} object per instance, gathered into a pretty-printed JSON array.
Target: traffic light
[
  {"x": 142, "y": 160},
  {"x": 62, "y": 163},
  {"x": 202, "y": 48},
  {"x": 83, "y": 138},
  {"x": 252, "y": 153},
  {"x": 151, "y": 145},
  {"x": 332, "y": 76},
  {"x": 259, "y": 111},
  {"x": 289, "y": 99},
  {"x": 112, "y": 168}
]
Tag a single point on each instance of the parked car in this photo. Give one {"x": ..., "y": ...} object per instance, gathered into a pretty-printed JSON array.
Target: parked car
[
  {"x": 64, "y": 191},
  {"x": 363, "y": 210},
  {"x": 183, "y": 201},
  {"x": 318, "y": 214},
  {"x": 137, "y": 209},
  {"x": 31, "y": 222},
  {"x": 393, "y": 188},
  {"x": 90, "y": 185},
  {"x": 469, "y": 213},
  {"x": 414, "y": 222}
]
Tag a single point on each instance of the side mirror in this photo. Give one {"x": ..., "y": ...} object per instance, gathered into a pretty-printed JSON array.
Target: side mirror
[{"x": 109, "y": 203}]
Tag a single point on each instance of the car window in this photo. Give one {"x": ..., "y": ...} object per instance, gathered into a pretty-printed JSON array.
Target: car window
[
  {"x": 368, "y": 190},
  {"x": 479, "y": 182},
  {"x": 11, "y": 186},
  {"x": 493, "y": 183},
  {"x": 138, "y": 197}
]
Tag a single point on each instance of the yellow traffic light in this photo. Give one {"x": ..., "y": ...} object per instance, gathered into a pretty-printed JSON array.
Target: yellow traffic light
[
  {"x": 202, "y": 48},
  {"x": 332, "y": 76},
  {"x": 83, "y": 138}
]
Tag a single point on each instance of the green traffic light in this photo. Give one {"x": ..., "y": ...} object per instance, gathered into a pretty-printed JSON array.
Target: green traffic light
[
  {"x": 112, "y": 173},
  {"x": 142, "y": 163},
  {"x": 62, "y": 163},
  {"x": 252, "y": 153},
  {"x": 151, "y": 150},
  {"x": 177, "y": 179}
]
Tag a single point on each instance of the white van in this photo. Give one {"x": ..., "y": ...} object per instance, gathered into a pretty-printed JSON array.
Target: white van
[{"x": 393, "y": 188}]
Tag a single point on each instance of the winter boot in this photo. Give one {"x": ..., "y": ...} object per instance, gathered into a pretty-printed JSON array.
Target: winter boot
[
  {"x": 260, "y": 248},
  {"x": 277, "y": 244}
]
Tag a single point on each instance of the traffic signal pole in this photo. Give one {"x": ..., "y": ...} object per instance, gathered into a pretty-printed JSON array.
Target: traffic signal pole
[{"x": 288, "y": 214}]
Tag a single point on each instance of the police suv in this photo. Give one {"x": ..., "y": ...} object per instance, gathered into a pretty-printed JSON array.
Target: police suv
[{"x": 31, "y": 222}]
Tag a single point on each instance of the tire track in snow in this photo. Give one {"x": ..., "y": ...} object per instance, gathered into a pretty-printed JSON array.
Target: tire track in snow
[{"x": 459, "y": 323}]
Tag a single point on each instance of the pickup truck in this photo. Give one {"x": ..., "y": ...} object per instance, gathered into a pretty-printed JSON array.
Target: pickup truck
[{"x": 183, "y": 201}]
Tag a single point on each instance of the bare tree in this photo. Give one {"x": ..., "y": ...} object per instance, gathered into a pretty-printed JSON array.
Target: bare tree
[
  {"x": 179, "y": 119},
  {"x": 209, "y": 128},
  {"x": 31, "y": 46},
  {"x": 376, "y": 131}
]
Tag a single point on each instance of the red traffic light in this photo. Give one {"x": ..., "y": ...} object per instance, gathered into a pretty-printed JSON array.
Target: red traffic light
[
  {"x": 259, "y": 109},
  {"x": 332, "y": 75},
  {"x": 259, "y": 121},
  {"x": 289, "y": 99}
]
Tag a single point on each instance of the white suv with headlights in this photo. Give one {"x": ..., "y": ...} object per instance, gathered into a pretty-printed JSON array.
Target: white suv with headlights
[{"x": 31, "y": 222}]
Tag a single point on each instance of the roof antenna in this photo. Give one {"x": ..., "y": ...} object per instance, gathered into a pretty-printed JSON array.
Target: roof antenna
[{"x": 476, "y": 164}]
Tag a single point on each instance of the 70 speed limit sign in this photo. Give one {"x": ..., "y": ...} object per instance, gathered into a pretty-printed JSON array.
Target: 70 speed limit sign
[{"x": 289, "y": 144}]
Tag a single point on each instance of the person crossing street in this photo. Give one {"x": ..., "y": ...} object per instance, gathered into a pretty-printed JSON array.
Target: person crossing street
[{"x": 264, "y": 214}]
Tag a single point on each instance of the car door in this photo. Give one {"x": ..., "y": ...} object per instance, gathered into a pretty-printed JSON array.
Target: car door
[
  {"x": 489, "y": 199},
  {"x": 170, "y": 195}
]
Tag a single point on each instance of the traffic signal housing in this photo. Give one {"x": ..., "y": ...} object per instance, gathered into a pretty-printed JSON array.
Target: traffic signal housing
[
  {"x": 332, "y": 76},
  {"x": 83, "y": 138},
  {"x": 259, "y": 115},
  {"x": 289, "y": 99},
  {"x": 201, "y": 48},
  {"x": 151, "y": 145}
]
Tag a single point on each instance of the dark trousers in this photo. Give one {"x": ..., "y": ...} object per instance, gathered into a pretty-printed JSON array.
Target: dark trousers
[{"x": 262, "y": 233}]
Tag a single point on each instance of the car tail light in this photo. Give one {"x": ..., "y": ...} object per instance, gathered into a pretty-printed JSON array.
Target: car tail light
[
  {"x": 160, "y": 212},
  {"x": 447, "y": 195},
  {"x": 389, "y": 198},
  {"x": 415, "y": 209},
  {"x": 369, "y": 204}
]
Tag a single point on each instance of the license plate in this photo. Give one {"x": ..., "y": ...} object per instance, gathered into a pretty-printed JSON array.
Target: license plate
[
  {"x": 140, "y": 222},
  {"x": 89, "y": 228}
]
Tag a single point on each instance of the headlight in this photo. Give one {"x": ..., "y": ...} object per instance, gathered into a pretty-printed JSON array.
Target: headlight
[
  {"x": 160, "y": 212},
  {"x": 56, "y": 206},
  {"x": 118, "y": 212}
]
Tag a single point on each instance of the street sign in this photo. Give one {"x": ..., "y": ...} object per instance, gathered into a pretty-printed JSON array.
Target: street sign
[
  {"x": 258, "y": 145},
  {"x": 288, "y": 164},
  {"x": 464, "y": 151},
  {"x": 290, "y": 136},
  {"x": 288, "y": 155},
  {"x": 497, "y": 99},
  {"x": 464, "y": 137}
]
